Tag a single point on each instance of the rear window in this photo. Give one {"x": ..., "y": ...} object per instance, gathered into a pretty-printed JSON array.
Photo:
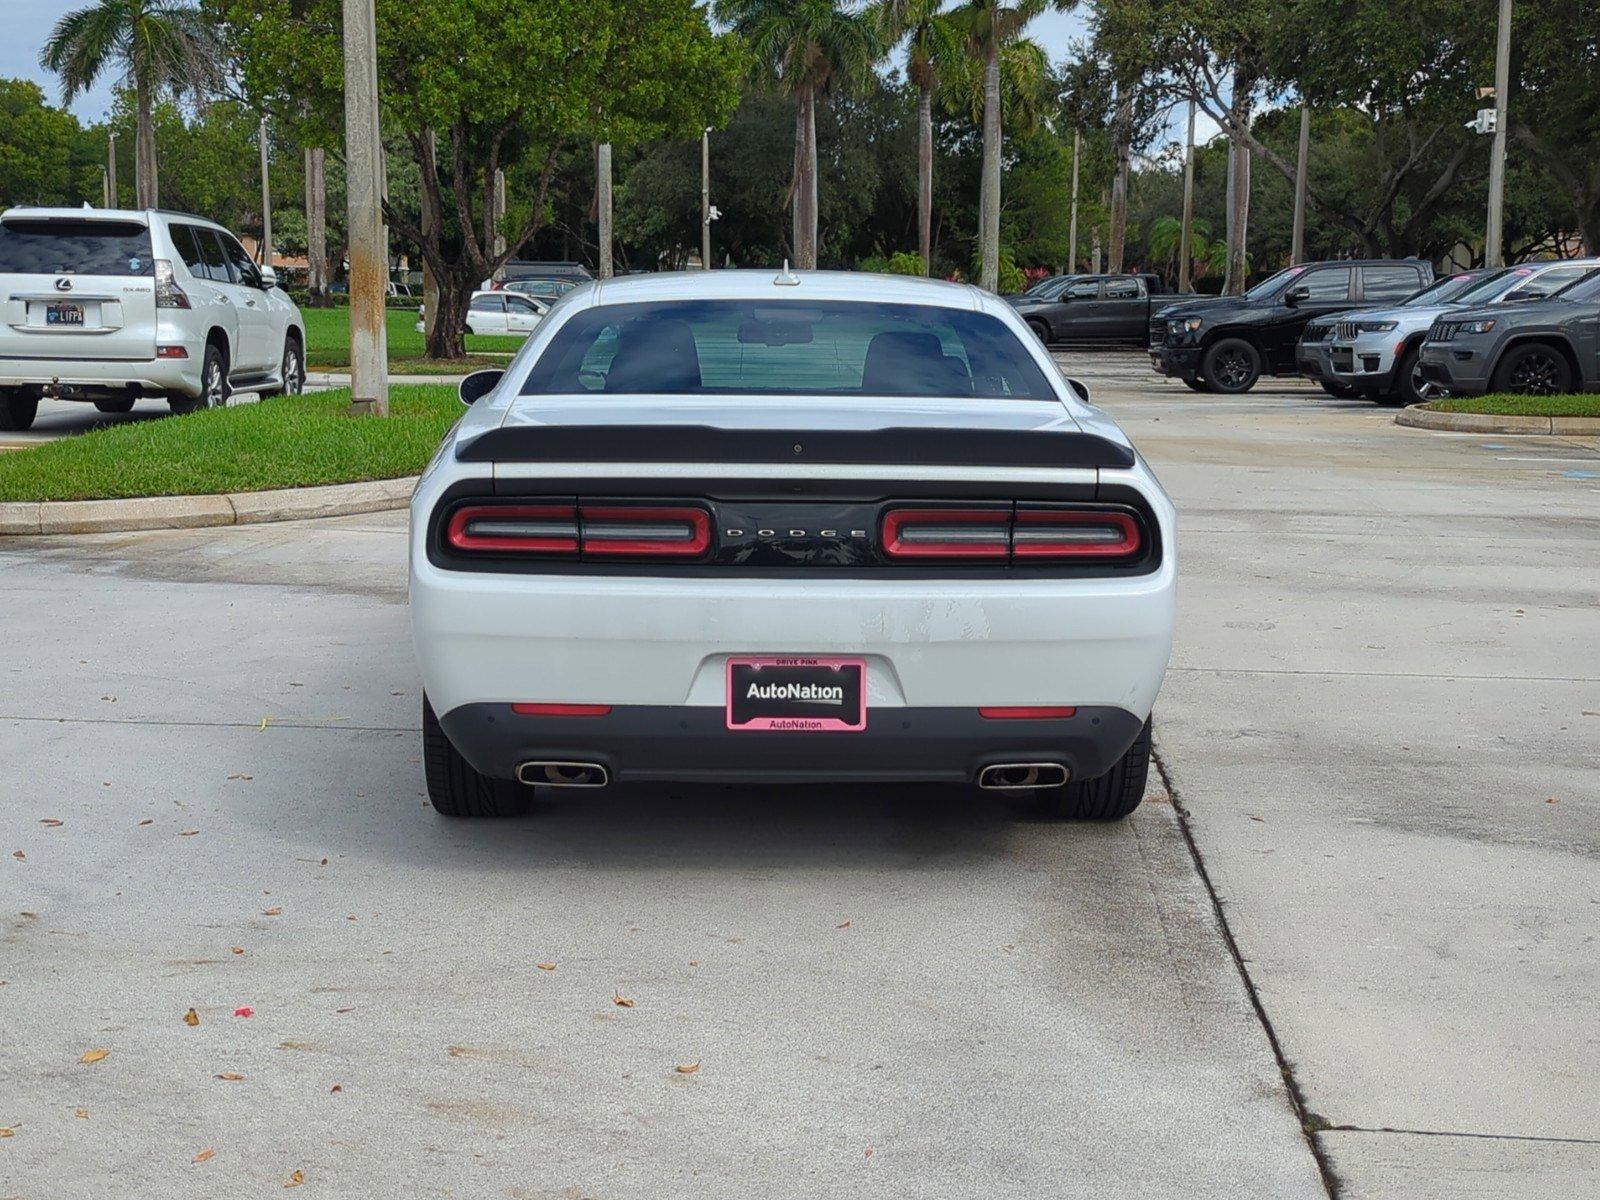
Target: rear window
[
  {"x": 65, "y": 247},
  {"x": 776, "y": 348}
]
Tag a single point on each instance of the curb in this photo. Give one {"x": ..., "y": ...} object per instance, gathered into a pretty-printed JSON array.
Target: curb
[
  {"x": 1419, "y": 417},
  {"x": 194, "y": 512}
]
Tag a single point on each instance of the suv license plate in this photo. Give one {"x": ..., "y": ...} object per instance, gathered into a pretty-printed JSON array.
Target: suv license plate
[
  {"x": 64, "y": 314},
  {"x": 798, "y": 694}
]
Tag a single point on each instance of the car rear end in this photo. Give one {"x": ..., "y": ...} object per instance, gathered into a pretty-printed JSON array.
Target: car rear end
[
  {"x": 790, "y": 588},
  {"x": 89, "y": 307}
]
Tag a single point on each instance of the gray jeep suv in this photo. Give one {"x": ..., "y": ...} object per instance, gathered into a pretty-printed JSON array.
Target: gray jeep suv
[{"x": 1542, "y": 347}]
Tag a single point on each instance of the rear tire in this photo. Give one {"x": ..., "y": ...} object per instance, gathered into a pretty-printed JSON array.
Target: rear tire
[
  {"x": 1534, "y": 369},
  {"x": 17, "y": 411},
  {"x": 1409, "y": 386},
  {"x": 1109, "y": 798},
  {"x": 214, "y": 388},
  {"x": 1197, "y": 384},
  {"x": 1040, "y": 331},
  {"x": 1339, "y": 391},
  {"x": 120, "y": 404},
  {"x": 455, "y": 788},
  {"x": 1231, "y": 366}
]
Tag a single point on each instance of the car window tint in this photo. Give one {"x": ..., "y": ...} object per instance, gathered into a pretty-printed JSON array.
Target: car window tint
[
  {"x": 1557, "y": 278},
  {"x": 1123, "y": 289},
  {"x": 521, "y": 304},
  {"x": 1388, "y": 283},
  {"x": 706, "y": 347},
  {"x": 1084, "y": 291},
  {"x": 244, "y": 270},
  {"x": 1329, "y": 283},
  {"x": 72, "y": 247},
  {"x": 183, "y": 241},
  {"x": 487, "y": 304},
  {"x": 216, "y": 262}
]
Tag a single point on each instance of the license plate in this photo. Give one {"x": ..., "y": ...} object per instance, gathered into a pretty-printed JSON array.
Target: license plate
[
  {"x": 798, "y": 693},
  {"x": 64, "y": 314}
]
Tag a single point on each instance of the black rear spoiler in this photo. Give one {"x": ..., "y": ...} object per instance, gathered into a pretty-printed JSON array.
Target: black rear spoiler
[{"x": 956, "y": 447}]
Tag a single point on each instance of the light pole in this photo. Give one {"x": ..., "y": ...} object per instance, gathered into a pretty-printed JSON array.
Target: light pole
[
  {"x": 1072, "y": 234},
  {"x": 1494, "y": 235},
  {"x": 369, "y": 243},
  {"x": 111, "y": 171},
  {"x": 1186, "y": 231},
  {"x": 705, "y": 198},
  {"x": 266, "y": 201}
]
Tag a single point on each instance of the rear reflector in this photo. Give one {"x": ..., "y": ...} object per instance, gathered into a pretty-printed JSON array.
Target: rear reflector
[
  {"x": 561, "y": 710},
  {"x": 514, "y": 528},
  {"x": 1073, "y": 533},
  {"x": 1028, "y": 712},
  {"x": 947, "y": 533},
  {"x": 644, "y": 531},
  {"x": 171, "y": 352}
]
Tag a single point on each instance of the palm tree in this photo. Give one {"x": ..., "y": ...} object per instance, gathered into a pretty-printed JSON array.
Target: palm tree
[
  {"x": 159, "y": 46},
  {"x": 990, "y": 25},
  {"x": 806, "y": 47},
  {"x": 930, "y": 43}
]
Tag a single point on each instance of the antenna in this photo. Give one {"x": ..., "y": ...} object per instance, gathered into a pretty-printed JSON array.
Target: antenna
[{"x": 786, "y": 277}]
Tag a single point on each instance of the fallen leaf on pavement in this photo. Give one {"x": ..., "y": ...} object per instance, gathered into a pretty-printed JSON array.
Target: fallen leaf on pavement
[
  {"x": 19, "y": 856},
  {"x": 205, "y": 1155},
  {"x": 694, "y": 962},
  {"x": 191, "y": 1018},
  {"x": 1551, "y": 800},
  {"x": 546, "y": 966},
  {"x": 52, "y": 822},
  {"x": 687, "y": 1068},
  {"x": 244, "y": 1010},
  {"x": 338, "y": 1087},
  {"x": 868, "y": 1153},
  {"x": 93, "y": 1056},
  {"x": 622, "y": 1001},
  {"x": 296, "y": 1178},
  {"x": 843, "y": 925},
  {"x": 147, "y": 821},
  {"x": 241, "y": 777},
  {"x": 81, "y": 1113},
  {"x": 29, "y": 916},
  {"x": 188, "y": 833},
  {"x": 265, "y": 721},
  {"x": 237, "y": 949},
  {"x": 272, "y": 912},
  {"x": 352, "y": 1008},
  {"x": 5, "y": 1132},
  {"x": 230, "y": 1076}
]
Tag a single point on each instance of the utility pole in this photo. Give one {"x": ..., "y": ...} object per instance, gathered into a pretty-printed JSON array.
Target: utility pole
[
  {"x": 111, "y": 171},
  {"x": 369, "y": 243},
  {"x": 266, "y": 201},
  {"x": 498, "y": 240},
  {"x": 602, "y": 203},
  {"x": 105, "y": 188},
  {"x": 1186, "y": 232},
  {"x": 1494, "y": 236},
  {"x": 1072, "y": 229},
  {"x": 1297, "y": 240},
  {"x": 705, "y": 198}
]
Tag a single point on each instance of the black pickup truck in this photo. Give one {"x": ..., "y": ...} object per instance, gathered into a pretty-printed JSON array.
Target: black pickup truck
[
  {"x": 1226, "y": 343},
  {"x": 1097, "y": 308}
]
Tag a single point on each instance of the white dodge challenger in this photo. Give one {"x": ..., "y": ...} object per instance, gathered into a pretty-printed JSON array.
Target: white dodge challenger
[{"x": 787, "y": 527}]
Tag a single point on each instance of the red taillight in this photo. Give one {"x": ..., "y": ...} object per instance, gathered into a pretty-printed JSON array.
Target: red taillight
[
  {"x": 643, "y": 531},
  {"x": 1073, "y": 533},
  {"x": 946, "y": 532},
  {"x": 514, "y": 528},
  {"x": 171, "y": 352},
  {"x": 1028, "y": 712},
  {"x": 562, "y": 710}
]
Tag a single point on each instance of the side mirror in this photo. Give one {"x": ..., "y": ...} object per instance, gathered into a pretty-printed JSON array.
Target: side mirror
[
  {"x": 478, "y": 385},
  {"x": 1295, "y": 295},
  {"x": 1526, "y": 294},
  {"x": 269, "y": 278}
]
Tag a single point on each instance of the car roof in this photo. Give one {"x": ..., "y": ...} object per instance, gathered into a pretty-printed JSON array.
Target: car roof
[
  {"x": 81, "y": 213},
  {"x": 777, "y": 284}
]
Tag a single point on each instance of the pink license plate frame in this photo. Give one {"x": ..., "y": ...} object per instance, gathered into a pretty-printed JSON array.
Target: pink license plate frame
[{"x": 850, "y": 723}]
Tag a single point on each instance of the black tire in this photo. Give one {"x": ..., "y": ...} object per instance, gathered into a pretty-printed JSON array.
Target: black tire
[
  {"x": 1197, "y": 385},
  {"x": 17, "y": 411},
  {"x": 1409, "y": 386},
  {"x": 291, "y": 369},
  {"x": 455, "y": 789},
  {"x": 1040, "y": 330},
  {"x": 119, "y": 404},
  {"x": 214, "y": 389},
  {"x": 1231, "y": 366},
  {"x": 470, "y": 332},
  {"x": 1534, "y": 369},
  {"x": 1339, "y": 391},
  {"x": 1109, "y": 798}
]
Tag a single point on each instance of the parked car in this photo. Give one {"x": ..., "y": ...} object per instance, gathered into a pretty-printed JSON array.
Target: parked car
[
  {"x": 548, "y": 290},
  {"x": 869, "y": 529},
  {"x": 1538, "y": 348},
  {"x": 1097, "y": 308},
  {"x": 1047, "y": 288},
  {"x": 1375, "y": 354},
  {"x": 1227, "y": 343},
  {"x": 108, "y": 305},
  {"x": 498, "y": 313}
]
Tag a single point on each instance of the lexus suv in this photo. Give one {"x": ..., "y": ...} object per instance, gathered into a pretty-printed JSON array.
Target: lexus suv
[
  {"x": 108, "y": 305},
  {"x": 739, "y": 526},
  {"x": 1540, "y": 348}
]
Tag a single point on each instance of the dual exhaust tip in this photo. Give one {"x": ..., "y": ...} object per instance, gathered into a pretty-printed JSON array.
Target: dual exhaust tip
[
  {"x": 563, "y": 774},
  {"x": 1007, "y": 776}
]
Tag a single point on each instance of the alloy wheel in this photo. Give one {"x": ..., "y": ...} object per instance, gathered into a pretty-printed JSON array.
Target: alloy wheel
[
  {"x": 294, "y": 376},
  {"x": 1233, "y": 369},
  {"x": 1537, "y": 375},
  {"x": 215, "y": 398}
]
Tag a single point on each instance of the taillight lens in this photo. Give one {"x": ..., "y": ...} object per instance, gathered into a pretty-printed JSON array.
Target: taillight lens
[
  {"x": 616, "y": 531},
  {"x": 1028, "y": 712},
  {"x": 947, "y": 533},
  {"x": 168, "y": 293},
  {"x": 1045, "y": 533},
  {"x": 514, "y": 529}
]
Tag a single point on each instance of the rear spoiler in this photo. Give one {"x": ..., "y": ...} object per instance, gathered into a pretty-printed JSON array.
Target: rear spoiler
[{"x": 706, "y": 443}]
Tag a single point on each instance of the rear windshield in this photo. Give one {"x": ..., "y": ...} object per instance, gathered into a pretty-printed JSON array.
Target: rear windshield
[
  {"x": 777, "y": 347},
  {"x": 75, "y": 248}
]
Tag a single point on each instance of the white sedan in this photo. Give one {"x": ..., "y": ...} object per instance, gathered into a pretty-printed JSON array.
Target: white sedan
[
  {"x": 500, "y": 312},
  {"x": 774, "y": 527}
]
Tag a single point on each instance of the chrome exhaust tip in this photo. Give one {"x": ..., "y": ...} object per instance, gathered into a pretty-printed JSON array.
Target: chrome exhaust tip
[
  {"x": 1005, "y": 776},
  {"x": 563, "y": 774}
]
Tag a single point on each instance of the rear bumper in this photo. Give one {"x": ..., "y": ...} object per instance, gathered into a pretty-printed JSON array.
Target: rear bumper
[
  {"x": 1459, "y": 370},
  {"x": 692, "y": 743},
  {"x": 155, "y": 375},
  {"x": 1180, "y": 361}
]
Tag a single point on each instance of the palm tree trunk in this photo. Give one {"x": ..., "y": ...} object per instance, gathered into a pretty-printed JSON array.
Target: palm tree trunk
[
  {"x": 925, "y": 177},
  {"x": 317, "y": 226},
  {"x": 798, "y": 186},
  {"x": 1237, "y": 274},
  {"x": 146, "y": 185},
  {"x": 1121, "y": 137},
  {"x": 808, "y": 194},
  {"x": 989, "y": 196},
  {"x": 602, "y": 203}
]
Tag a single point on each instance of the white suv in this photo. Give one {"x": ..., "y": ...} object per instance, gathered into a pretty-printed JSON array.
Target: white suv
[{"x": 109, "y": 305}]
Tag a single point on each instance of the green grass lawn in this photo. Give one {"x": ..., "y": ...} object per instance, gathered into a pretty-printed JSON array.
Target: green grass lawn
[
  {"x": 328, "y": 344},
  {"x": 282, "y": 442},
  {"x": 1521, "y": 406}
]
